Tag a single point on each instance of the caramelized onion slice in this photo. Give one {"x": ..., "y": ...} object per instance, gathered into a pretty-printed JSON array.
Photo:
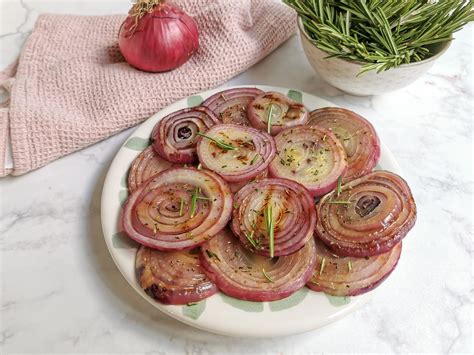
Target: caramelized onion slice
[
  {"x": 349, "y": 276},
  {"x": 369, "y": 217},
  {"x": 231, "y": 105},
  {"x": 246, "y": 154},
  {"x": 244, "y": 275},
  {"x": 174, "y": 137},
  {"x": 172, "y": 277},
  {"x": 280, "y": 109},
  {"x": 145, "y": 165},
  {"x": 236, "y": 186},
  {"x": 311, "y": 156},
  {"x": 293, "y": 213},
  {"x": 357, "y": 135},
  {"x": 160, "y": 213}
]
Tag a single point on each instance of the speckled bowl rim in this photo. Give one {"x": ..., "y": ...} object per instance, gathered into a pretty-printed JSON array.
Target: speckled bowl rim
[
  {"x": 304, "y": 311},
  {"x": 443, "y": 45}
]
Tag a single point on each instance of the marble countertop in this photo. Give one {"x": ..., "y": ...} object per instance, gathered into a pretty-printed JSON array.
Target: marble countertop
[{"x": 61, "y": 291}]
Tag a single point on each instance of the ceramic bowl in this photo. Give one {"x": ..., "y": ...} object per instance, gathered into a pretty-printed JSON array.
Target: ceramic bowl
[{"x": 342, "y": 73}]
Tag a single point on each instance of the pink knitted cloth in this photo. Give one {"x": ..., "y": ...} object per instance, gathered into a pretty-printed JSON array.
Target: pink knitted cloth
[{"x": 72, "y": 87}]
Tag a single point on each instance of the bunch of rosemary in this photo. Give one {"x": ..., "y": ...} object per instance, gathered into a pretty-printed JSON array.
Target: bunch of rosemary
[{"x": 381, "y": 34}]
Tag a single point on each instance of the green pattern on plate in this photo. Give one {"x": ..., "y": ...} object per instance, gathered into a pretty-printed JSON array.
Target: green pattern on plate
[
  {"x": 295, "y": 96},
  {"x": 337, "y": 301},
  {"x": 121, "y": 241},
  {"x": 137, "y": 143},
  {"x": 195, "y": 100},
  {"x": 194, "y": 310},
  {"x": 290, "y": 301},
  {"x": 124, "y": 180},
  {"x": 123, "y": 195},
  {"x": 246, "y": 306}
]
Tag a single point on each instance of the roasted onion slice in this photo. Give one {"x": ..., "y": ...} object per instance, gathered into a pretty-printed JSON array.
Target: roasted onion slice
[
  {"x": 177, "y": 209},
  {"x": 242, "y": 274},
  {"x": 172, "y": 277},
  {"x": 237, "y": 153},
  {"x": 147, "y": 164},
  {"x": 369, "y": 217},
  {"x": 174, "y": 137},
  {"x": 236, "y": 186},
  {"x": 231, "y": 105},
  {"x": 349, "y": 276},
  {"x": 311, "y": 156},
  {"x": 279, "y": 109},
  {"x": 357, "y": 135},
  {"x": 286, "y": 204}
]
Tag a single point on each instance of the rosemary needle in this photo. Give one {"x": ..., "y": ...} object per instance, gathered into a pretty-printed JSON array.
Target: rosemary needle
[
  {"x": 218, "y": 142},
  {"x": 267, "y": 276},
  {"x": 269, "y": 119}
]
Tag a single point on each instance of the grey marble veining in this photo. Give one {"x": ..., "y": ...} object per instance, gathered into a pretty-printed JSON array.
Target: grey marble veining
[{"x": 61, "y": 291}]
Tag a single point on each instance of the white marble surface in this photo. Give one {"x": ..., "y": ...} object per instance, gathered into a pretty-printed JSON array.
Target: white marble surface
[{"x": 61, "y": 291}]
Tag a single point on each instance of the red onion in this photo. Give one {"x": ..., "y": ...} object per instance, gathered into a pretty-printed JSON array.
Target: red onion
[
  {"x": 147, "y": 164},
  {"x": 157, "y": 36},
  {"x": 356, "y": 134},
  {"x": 236, "y": 186},
  {"x": 174, "y": 137},
  {"x": 177, "y": 209},
  {"x": 293, "y": 213},
  {"x": 369, "y": 216},
  {"x": 237, "y": 153},
  {"x": 244, "y": 275},
  {"x": 280, "y": 109},
  {"x": 173, "y": 277},
  {"x": 231, "y": 105},
  {"x": 348, "y": 276},
  {"x": 311, "y": 156}
]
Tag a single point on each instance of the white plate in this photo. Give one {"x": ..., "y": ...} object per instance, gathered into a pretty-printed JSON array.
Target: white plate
[{"x": 303, "y": 311}]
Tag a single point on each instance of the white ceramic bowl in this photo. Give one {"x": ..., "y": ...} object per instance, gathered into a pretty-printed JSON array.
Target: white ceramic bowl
[{"x": 342, "y": 73}]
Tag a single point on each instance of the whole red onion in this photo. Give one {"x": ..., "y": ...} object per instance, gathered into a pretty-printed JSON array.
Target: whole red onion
[{"x": 157, "y": 36}]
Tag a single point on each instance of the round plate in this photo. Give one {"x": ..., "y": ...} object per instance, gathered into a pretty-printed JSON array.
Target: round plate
[{"x": 303, "y": 311}]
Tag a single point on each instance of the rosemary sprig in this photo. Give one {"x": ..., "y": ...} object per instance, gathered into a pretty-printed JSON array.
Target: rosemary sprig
[
  {"x": 381, "y": 34},
  {"x": 251, "y": 239},
  {"x": 336, "y": 202},
  {"x": 181, "y": 206},
  {"x": 218, "y": 142},
  {"x": 193, "y": 201},
  {"x": 269, "y": 119},
  {"x": 267, "y": 276},
  {"x": 270, "y": 226}
]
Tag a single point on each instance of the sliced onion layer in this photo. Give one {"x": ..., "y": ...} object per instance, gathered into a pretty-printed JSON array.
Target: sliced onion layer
[
  {"x": 236, "y": 186},
  {"x": 280, "y": 109},
  {"x": 311, "y": 156},
  {"x": 160, "y": 213},
  {"x": 349, "y": 276},
  {"x": 246, "y": 154},
  {"x": 244, "y": 275},
  {"x": 369, "y": 217},
  {"x": 172, "y": 277},
  {"x": 231, "y": 105},
  {"x": 357, "y": 135},
  {"x": 174, "y": 137},
  {"x": 293, "y": 213},
  {"x": 147, "y": 164}
]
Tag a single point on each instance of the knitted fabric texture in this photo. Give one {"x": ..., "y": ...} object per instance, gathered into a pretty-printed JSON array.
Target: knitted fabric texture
[{"x": 72, "y": 87}]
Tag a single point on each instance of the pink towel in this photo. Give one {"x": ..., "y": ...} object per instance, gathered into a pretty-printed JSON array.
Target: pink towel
[{"x": 72, "y": 87}]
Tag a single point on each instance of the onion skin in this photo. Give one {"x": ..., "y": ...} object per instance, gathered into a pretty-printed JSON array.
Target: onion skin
[
  {"x": 380, "y": 214},
  {"x": 349, "y": 276},
  {"x": 147, "y": 164},
  {"x": 231, "y": 105},
  {"x": 153, "y": 216},
  {"x": 163, "y": 39},
  {"x": 172, "y": 277},
  {"x": 254, "y": 150},
  {"x": 293, "y": 211},
  {"x": 239, "y": 273},
  {"x": 285, "y": 112},
  {"x": 356, "y": 134},
  {"x": 174, "y": 136},
  {"x": 312, "y": 156}
]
